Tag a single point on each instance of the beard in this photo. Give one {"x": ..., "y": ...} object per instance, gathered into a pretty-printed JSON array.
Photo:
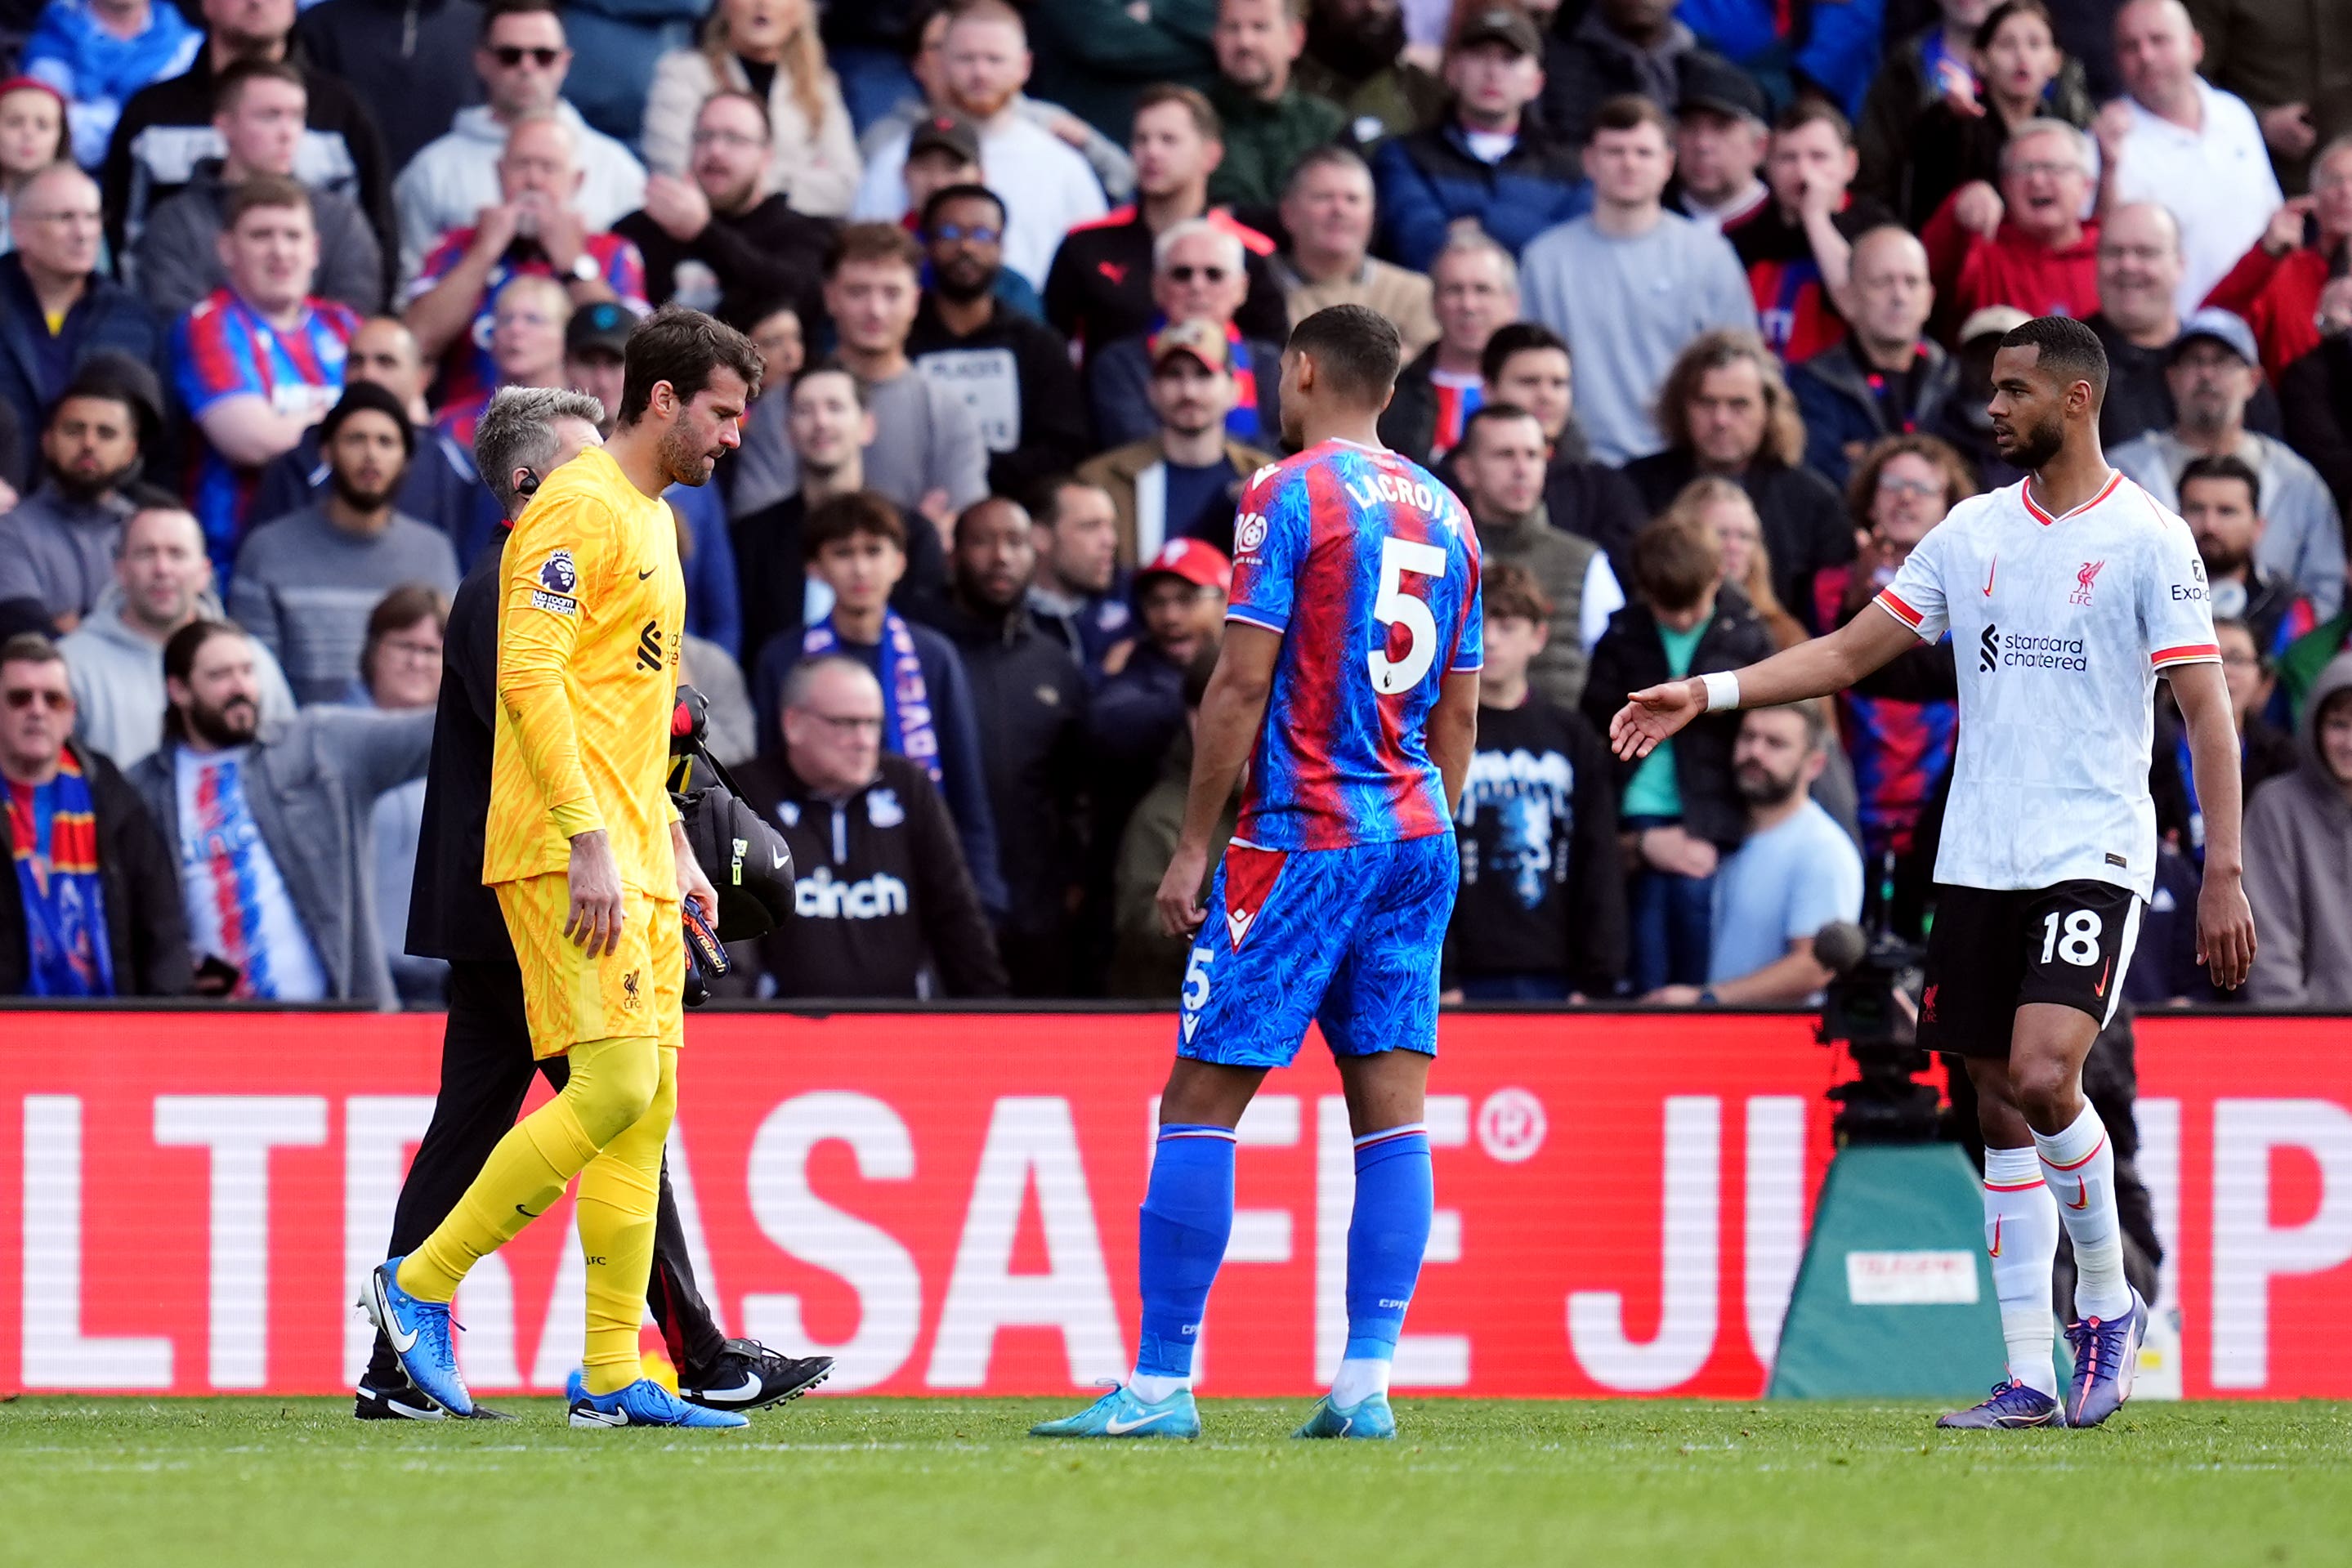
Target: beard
[
  {"x": 964, "y": 282},
  {"x": 2220, "y": 560},
  {"x": 2034, "y": 447},
  {"x": 83, "y": 491},
  {"x": 1355, "y": 51},
  {"x": 1759, "y": 786},
  {"x": 231, "y": 723},
  {"x": 681, "y": 461},
  {"x": 357, "y": 500}
]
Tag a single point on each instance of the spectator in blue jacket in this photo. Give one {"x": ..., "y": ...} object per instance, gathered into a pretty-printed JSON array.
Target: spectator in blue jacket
[
  {"x": 52, "y": 275},
  {"x": 1487, "y": 160},
  {"x": 97, "y": 53}
]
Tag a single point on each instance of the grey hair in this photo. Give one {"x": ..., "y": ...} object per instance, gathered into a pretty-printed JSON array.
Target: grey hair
[
  {"x": 802, "y": 675},
  {"x": 1478, "y": 242},
  {"x": 2079, "y": 143},
  {"x": 517, "y": 431},
  {"x": 1176, "y": 234},
  {"x": 544, "y": 117}
]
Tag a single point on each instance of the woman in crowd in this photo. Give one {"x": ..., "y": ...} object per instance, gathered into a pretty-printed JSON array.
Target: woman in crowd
[
  {"x": 31, "y": 137},
  {"x": 768, "y": 48},
  {"x": 2020, "y": 75},
  {"x": 400, "y": 669},
  {"x": 1721, "y": 508}
]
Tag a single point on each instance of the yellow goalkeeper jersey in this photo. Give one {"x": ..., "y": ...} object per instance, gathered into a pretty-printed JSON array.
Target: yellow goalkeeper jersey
[{"x": 591, "y": 616}]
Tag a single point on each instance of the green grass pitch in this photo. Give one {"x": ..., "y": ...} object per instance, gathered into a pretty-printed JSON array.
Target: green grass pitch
[{"x": 279, "y": 1483}]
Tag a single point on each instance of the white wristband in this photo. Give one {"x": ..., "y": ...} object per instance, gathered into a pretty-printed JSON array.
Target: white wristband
[{"x": 1722, "y": 692}]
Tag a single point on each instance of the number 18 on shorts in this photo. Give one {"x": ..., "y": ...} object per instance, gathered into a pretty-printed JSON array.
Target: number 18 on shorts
[{"x": 1990, "y": 952}]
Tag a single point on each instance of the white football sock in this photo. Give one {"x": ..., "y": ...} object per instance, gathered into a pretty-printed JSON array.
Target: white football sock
[
  {"x": 1151, "y": 1389},
  {"x": 1359, "y": 1379},
  {"x": 2021, "y": 1237},
  {"x": 2079, "y": 1164}
]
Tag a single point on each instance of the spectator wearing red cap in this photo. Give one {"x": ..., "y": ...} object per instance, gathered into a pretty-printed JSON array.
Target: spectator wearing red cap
[
  {"x": 1181, "y": 481},
  {"x": 1180, "y": 597}
]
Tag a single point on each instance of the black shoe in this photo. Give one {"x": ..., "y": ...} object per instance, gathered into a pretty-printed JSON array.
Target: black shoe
[
  {"x": 404, "y": 1402},
  {"x": 388, "y": 1401},
  {"x": 748, "y": 1375}
]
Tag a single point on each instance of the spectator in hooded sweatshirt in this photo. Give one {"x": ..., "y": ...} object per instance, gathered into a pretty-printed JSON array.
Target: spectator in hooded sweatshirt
[
  {"x": 884, "y": 908},
  {"x": 162, "y": 582},
  {"x": 97, "y": 53},
  {"x": 2298, "y": 843},
  {"x": 1029, "y": 698}
]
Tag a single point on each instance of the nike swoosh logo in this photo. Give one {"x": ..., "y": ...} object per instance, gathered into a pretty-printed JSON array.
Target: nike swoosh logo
[
  {"x": 2082, "y": 1194},
  {"x": 1119, "y": 1429},
  {"x": 777, "y": 860},
  {"x": 748, "y": 1389},
  {"x": 1989, "y": 571},
  {"x": 647, "y": 572},
  {"x": 525, "y": 1213},
  {"x": 403, "y": 1344},
  {"x": 2101, "y": 988},
  {"x": 1996, "y": 1236}
]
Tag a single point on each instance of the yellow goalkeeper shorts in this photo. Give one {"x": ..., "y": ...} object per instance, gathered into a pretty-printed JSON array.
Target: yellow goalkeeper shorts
[{"x": 637, "y": 989}]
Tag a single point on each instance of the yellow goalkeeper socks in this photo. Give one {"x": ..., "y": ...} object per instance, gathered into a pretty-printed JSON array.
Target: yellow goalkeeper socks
[
  {"x": 611, "y": 1084},
  {"x": 618, "y": 1193}
]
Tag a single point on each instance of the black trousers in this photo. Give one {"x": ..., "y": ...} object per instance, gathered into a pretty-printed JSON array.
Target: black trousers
[{"x": 486, "y": 1071}]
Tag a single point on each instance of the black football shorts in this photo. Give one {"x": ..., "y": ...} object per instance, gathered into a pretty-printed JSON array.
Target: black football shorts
[{"x": 1990, "y": 952}]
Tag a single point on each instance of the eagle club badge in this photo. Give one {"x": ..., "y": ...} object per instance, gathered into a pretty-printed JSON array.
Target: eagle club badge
[{"x": 559, "y": 584}]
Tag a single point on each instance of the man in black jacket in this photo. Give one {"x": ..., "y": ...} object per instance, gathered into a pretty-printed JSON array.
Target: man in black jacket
[
  {"x": 718, "y": 237},
  {"x": 884, "y": 908},
  {"x": 1012, "y": 371},
  {"x": 1029, "y": 698},
  {"x": 1678, "y": 816},
  {"x": 52, "y": 942},
  {"x": 168, "y": 126},
  {"x": 486, "y": 1059},
  {"x": 1725, "y": 410}
]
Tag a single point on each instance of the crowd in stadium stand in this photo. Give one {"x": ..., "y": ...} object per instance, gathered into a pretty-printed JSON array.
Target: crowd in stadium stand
[{"x": 1699, "y": 303}]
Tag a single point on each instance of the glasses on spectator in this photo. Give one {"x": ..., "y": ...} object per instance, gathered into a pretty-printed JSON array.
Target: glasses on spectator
[
  {"x": 2243, "y": 660},
  {"x": 63, "y": 220},
  {"x": 512, "y": 54},
  {"x": 22, "y": 697},
  {"x": 847, "y": 723},
  {"x": 2053, "y": 168},
  {"x": 413, "y": 649},
  {"x": 979, "y": 233},
  {"x": 714, "y": 138},
  {"x": 1206, "y": 273},
  {"x": 1925, "y": 489}
]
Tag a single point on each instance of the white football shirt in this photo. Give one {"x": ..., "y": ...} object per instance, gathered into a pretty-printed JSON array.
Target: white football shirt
[{"x": 2059, "y": 626}]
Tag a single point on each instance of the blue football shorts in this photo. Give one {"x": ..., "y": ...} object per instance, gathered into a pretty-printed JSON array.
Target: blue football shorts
[{"x": 1349, "y": 939}]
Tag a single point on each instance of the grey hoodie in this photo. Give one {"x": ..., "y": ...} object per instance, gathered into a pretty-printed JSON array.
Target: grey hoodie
[
  {"x": 2298, "y": 848},
  {"x": 118, "y": 681}
]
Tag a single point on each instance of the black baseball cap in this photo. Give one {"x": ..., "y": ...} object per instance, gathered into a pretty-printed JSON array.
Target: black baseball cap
[
  {"x": 1501, "y": 25},
  {"x": 605, "y": 325},
  {"x": 1713, "y": 85}
]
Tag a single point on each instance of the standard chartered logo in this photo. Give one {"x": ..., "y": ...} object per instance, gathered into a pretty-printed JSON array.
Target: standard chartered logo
[{"x": 1996, "y": 649}]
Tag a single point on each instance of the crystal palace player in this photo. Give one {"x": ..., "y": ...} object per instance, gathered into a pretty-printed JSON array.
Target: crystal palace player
[
  {"x": 2066, "y": 595},
  {"x": 1349, "y": 683}
]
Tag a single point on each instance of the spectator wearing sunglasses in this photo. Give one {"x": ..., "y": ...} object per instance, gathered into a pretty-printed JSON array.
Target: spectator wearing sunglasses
[
  {"x": 721, "y": 232},
  {"x": 92, "y": 906},
  {"x": 1012, "y": 371},
  {"x": 1198, "y": 275},
  {"x": 523, "y": 59}
]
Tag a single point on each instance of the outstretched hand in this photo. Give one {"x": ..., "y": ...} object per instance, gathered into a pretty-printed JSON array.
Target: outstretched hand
[{"x": 1653, "y": 714}]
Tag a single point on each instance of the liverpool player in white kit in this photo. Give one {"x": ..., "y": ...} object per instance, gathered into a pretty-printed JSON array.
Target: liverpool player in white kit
[{"x": 2066, "y": 595}]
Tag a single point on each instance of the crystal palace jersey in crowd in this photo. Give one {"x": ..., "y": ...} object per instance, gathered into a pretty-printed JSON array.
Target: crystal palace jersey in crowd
[
  {"x": 238, "y": 906},
  {"x": 2060, "y": 625},
  {"x": 466, "y": 368},
  {"x": 223, "y": 348},
  {"x": 1369, "y": 567}
]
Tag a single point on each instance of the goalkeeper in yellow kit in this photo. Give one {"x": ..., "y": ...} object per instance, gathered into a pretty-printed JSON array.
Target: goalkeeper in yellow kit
[{"x": 588, "y": 864}]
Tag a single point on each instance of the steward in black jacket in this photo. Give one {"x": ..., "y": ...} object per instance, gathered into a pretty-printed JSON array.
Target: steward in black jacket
[{"x": 146, "y": 929}]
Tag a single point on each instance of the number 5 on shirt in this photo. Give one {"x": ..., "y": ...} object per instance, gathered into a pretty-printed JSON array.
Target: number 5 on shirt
[{"x": 1392, "y": 606}]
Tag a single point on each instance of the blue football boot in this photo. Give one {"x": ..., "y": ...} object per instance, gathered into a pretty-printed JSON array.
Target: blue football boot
[
  {"x": 1369, "y": 1417},
  {"x": 644, "y": 1403},
  {"x": 419, "y": 1333},
  {"x": 2012, "y": 1406},
  {"x": 1120, "y": 1413},
  {"x": 2106, "y": 1359}
]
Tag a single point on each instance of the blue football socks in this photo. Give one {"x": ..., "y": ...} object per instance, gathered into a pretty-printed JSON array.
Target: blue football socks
[
  {"x": 1387, "y": 1234},
  {"x": 1188, "y": 1216}
]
